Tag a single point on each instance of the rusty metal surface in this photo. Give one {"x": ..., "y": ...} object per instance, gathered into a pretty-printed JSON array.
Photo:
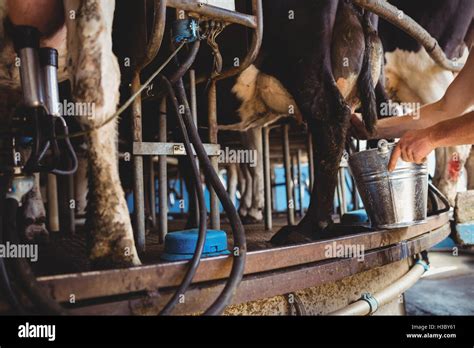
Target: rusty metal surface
[
  {"x": 149, "y": 278},
  {"x": 255, "y": 44},
  {"x": 195, "y": 7},
  {"x": 157, "y": 33},
  {"x": 270, "y": 284}
]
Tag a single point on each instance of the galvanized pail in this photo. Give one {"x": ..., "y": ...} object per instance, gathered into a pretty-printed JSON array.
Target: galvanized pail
[{"x": 395, "y": 199}]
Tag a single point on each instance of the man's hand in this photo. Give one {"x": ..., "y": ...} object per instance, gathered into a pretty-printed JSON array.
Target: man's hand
[{"x": 414, "y": 146}]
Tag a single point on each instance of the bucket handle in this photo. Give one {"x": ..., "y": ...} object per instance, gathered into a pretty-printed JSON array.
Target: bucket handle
[{"x": 434, "y": 190}]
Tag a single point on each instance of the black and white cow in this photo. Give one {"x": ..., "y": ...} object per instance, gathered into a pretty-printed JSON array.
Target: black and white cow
[
  {"x": 413, "y": 77},
  {"x": 83, "y": 35}
]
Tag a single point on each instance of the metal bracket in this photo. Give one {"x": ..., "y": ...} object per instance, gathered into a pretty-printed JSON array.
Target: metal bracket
[
  {"x": 424, "y": 264},
  {"x": 371, "y": 300}
]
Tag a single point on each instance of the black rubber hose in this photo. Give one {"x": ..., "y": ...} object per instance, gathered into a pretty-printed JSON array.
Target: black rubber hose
[
  {"x": 240, "y": 245},
  {"x": 442, "y": 198},
  {"x": 4, "y": 277},
  {"x": 186, "y": 65},
  {"x": 22, "y": 268},
  {"x": 70, "y": 150},
  {"x": 194, "y": 263}
]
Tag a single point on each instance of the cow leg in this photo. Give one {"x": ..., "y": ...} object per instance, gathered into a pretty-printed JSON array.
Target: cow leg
[
  {"x": 328, "y": 129},
  {"x": 327, "y": 115},
  {"x": 449, "y": 164},
  {"x": 246, "y": 199},
  {"x": 95, "y": 78},
  {"x": 232, "y": 181},
  {"x": 34, "y": 213},
  {"x": 256, "y": 171},
  {"x": 80, "y": 185}
]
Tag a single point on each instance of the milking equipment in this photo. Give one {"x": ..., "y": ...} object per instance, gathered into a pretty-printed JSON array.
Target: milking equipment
[
  {"x": 32, "y": 129},
  {"x": 393, "y": 199}
]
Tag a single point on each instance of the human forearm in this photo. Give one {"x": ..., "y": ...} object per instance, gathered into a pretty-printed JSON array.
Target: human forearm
[
  {"x": 458, "y": 131},
  {"x": 456, "y": 101},
  {"x": 395, "y": 127}
]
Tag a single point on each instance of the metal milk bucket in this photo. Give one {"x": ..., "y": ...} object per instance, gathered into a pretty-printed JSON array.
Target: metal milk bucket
[{"x": 395, "y": 199}]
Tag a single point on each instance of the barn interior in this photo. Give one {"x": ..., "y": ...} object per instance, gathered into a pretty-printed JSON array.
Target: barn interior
[{"x": 208, "y": 195}]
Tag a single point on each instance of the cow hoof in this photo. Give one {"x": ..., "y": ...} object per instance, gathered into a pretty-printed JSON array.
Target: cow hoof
[
  {"x": 292, "y": 235},
  {"x": 250, "y": 220},
  {"x": 36, "y": 230}
]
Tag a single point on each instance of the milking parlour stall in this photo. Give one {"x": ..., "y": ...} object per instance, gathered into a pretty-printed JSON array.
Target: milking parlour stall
[{"x": 165, "y": 160}]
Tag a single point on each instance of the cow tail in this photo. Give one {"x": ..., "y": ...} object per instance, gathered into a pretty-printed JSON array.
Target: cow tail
[{"x": 365, "y": 83}]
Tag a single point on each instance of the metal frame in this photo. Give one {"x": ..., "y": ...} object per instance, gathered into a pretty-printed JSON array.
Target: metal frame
[
  {"x": 290, "y": 200},
  {"x": 193, "y": 8},
  {"x": 275, "y": 266},
  {"x": 253, "y": 288},
  {"x": 165, "y": 275}
]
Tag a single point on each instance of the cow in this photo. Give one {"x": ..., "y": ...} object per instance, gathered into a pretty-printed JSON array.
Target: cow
[
  {"x": 413, "y": 77},
  {"x": 81, "y": 30},
  {"x": 264, "y": 101},
  {"x": 327, "y": 58}
]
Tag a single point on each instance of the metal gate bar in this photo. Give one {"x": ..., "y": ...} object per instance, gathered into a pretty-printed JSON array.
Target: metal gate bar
[{"x": 194, "y": 8}]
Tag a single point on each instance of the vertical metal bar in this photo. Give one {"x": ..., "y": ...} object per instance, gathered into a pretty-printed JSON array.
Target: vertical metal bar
[
  {"x": 267, "y": 178},
  {"x": 355, "y": 197},
  {"x": 294, "y": 181},
  {"x": 342, "y": 180},
  {"x": 152, "y": 195},
  {"x": 212, "y": 118},
  {"x": 139, "y": 198},
  {"x": 310, "y": 161},
  {"x": 194, "y": 111},
  {"x": 53, "y": 210},
  {"x": 290, "y": 202},
  {"x": 181, "y": 192},
  {"x": 65, "y": 194},
  {"x": 300, "y": 182},
  {"x": 162, "y": 175},
  {"x": 71, "y": 210}
]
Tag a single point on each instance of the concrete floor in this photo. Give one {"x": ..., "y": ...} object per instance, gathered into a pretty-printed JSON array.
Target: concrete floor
[{"x": 446, "y": 289}]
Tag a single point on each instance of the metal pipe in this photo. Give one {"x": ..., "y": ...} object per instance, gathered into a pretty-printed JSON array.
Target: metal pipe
[
  {"x": 162, "y": 176},
  {"x": 290, "y": 202},
  {"x": 26, "y": 44},
  {"x": 153, "y": 47},
  {"x": 310, "y": 161},
  {"x": 342, "y": 187},
  {"x": 138, "y": 190},
  {"x": 194, "y": 111},
  {"x": 255, "y": 45},
  {"x": 390, "y": 13},
  {"x": 195, "y": 7},
  {"x": 363, "y": 307},
  {"x": 152, "y": 196},
  {"x": 212, "y": 119},
  {"x": 267, "y": 178},
  {"x": 300, "y": 182},
  {"x": 53, "y": 210},
  {"x": 49, "y": 71},
  {"x": 157, "y": 34},
  {"x": 294, "y": 181}
]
